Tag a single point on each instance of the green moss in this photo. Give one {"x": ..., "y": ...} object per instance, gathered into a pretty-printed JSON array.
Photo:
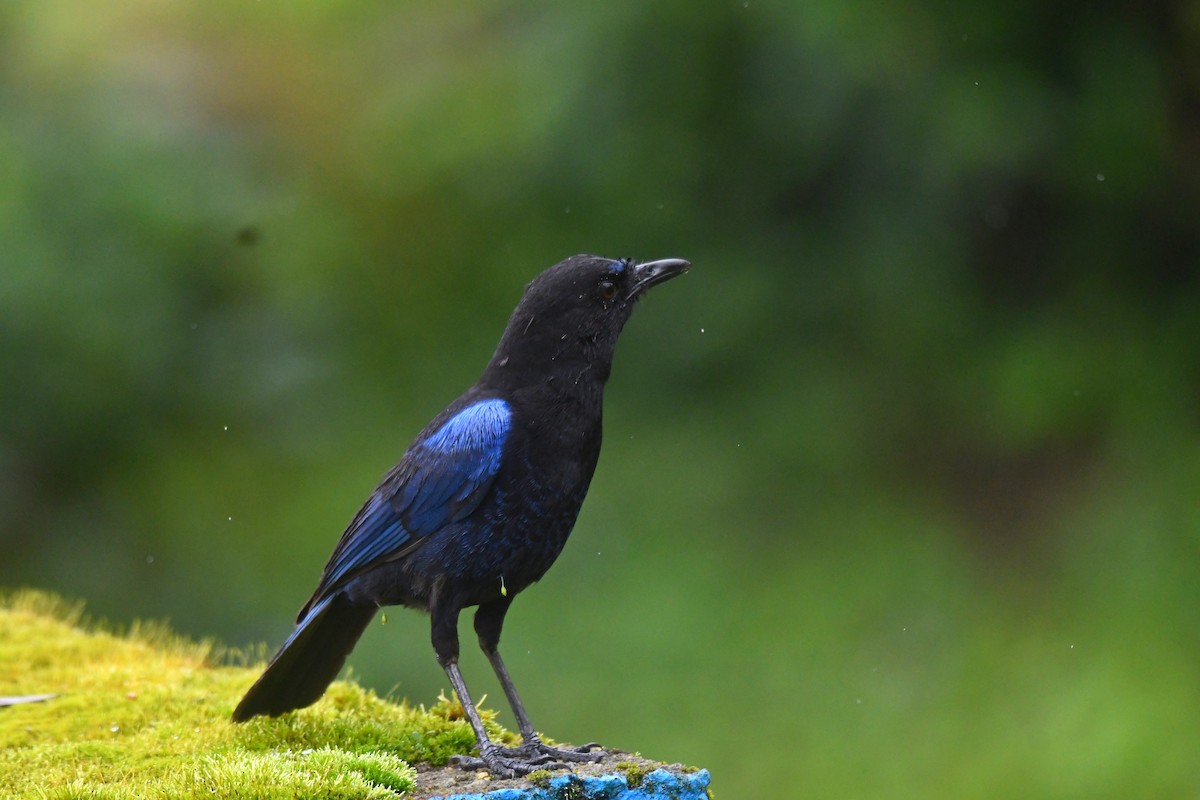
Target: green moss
[
  {"x": 145, "y": 713},
  {"x": 540, "y": 778},
  {"x": 634, "y": 773},
  {"x": 326, "y": 773}
]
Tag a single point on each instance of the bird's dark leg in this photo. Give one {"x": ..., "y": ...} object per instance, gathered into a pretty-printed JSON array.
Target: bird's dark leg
[
  {"x": 502, "y": 762},
  {"x": 489, "y": 619}
]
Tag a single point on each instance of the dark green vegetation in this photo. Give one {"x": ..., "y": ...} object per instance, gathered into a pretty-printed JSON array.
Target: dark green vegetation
[{"x": 899, "y": 491}]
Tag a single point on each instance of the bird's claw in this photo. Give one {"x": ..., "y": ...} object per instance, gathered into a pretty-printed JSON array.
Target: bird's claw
[
  {"x": 512, "y": 762},
  {"x": 534, "y": 749},
  {"x": 503, "y": 762}
]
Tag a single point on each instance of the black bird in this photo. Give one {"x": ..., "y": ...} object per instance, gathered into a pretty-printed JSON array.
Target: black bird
[{"x": 481, "y": 503}]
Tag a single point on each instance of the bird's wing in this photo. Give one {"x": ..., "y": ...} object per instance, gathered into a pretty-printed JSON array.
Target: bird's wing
[{"x": 441, "y": 479}]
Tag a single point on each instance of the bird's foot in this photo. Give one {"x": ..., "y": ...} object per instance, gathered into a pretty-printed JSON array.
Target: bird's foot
[
  {"x": 512, "y": 762},
  {"x": 535, "y": 748},
  {"x": 506, "y": 762}
]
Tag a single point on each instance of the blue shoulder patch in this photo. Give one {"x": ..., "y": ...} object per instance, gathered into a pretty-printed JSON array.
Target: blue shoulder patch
[
  {"x": 481, "y": 426},
  {"x": 440, "y": 480},
  {"x": 456, "y": 466}
]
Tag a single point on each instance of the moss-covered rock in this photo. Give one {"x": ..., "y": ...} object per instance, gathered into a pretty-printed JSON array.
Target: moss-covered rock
[{"x": 144, "y": 714}]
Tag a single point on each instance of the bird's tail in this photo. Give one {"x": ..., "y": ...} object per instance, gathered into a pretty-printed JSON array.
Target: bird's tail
[{"x": 309, "y": 660}]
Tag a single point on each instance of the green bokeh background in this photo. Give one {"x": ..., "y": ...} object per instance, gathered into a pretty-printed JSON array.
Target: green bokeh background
[{"x": 901, "y": 491}]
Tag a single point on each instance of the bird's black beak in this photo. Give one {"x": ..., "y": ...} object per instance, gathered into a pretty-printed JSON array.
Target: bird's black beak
[{"x": 653, "y": 272}]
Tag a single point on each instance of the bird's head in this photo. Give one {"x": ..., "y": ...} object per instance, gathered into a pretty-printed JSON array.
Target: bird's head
[{"x": 571, "y": 315}]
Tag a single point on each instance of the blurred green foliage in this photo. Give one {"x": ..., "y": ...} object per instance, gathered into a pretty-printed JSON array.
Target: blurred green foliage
[{"x": 899, "y": 496}]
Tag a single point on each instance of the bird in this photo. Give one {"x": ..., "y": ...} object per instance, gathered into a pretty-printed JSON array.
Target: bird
[{"x": 480, "y": 505}]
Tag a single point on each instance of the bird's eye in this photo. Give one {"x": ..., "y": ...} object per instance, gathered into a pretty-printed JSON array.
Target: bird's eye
[{"x": 608, "y": 290}]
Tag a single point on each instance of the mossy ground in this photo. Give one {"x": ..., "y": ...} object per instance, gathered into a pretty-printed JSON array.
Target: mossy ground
[{"x": 145, "y": 714}]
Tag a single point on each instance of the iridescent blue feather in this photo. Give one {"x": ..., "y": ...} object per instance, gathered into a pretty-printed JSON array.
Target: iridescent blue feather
[{"x": 440, "y": 480}]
